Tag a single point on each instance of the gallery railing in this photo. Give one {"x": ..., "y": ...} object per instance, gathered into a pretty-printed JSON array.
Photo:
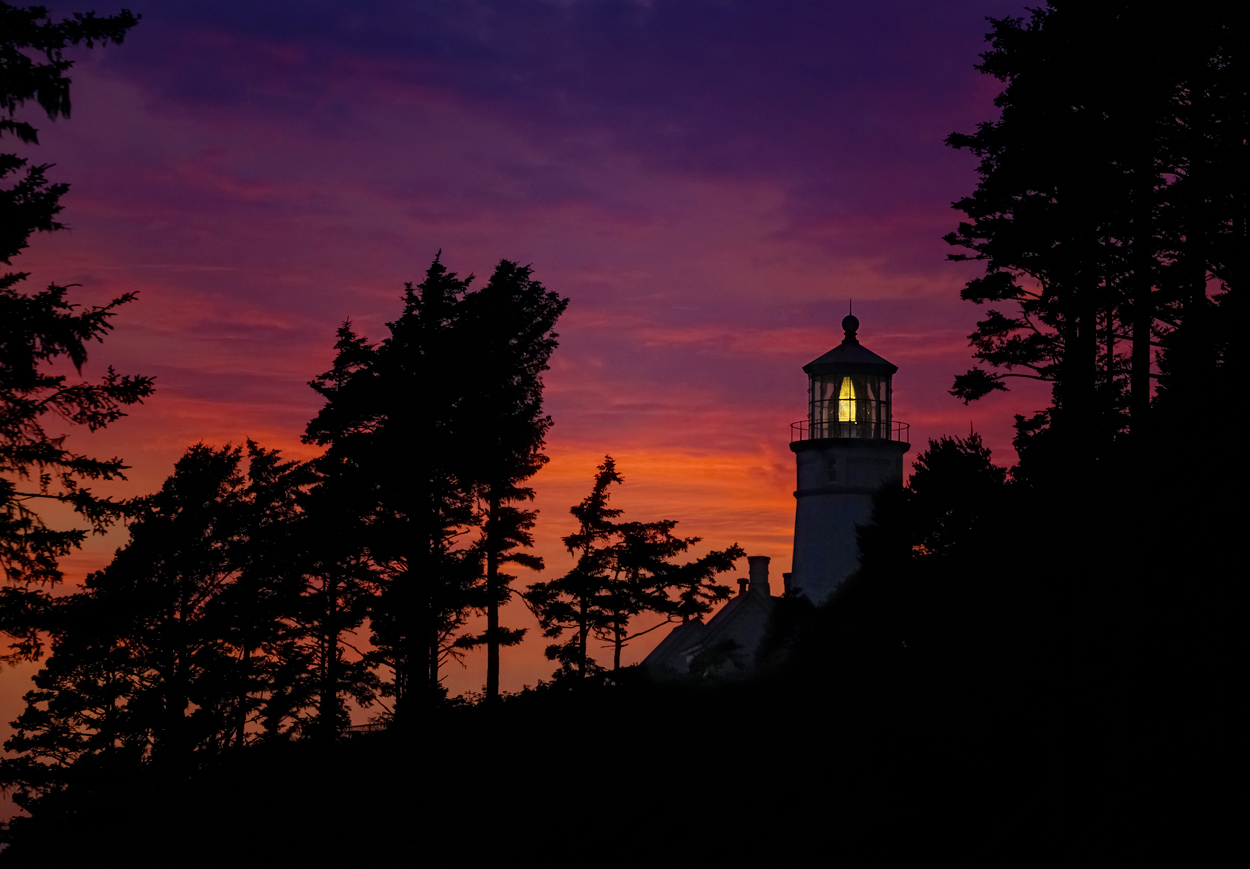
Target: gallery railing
[{"x": 805, "y": 430}]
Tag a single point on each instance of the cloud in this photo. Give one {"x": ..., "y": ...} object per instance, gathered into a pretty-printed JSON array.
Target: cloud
[
  {"x": 786, "y": 90},
  {"x": 709, "y": 181}
]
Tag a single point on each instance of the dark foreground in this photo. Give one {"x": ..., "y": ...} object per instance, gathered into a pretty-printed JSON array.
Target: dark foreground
[
  {"x": 925, "y": 764},
  {"x": 1064, "y": 688}
]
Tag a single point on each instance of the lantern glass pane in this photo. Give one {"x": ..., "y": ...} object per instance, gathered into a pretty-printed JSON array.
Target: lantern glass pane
[{"x": 849, "y": 406}]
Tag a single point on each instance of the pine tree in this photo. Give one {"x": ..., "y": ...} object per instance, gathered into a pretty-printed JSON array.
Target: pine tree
[
  {"x": 393, "y": 428},
  {"x": 204, "y": 633},
  {"x": 508, "y": 327},
  {"x": 1097, "y": 215},
  {"x": 38, "y": 329},
  {"x": 954, "y": 496},
  {"x": 339, "y": 585},
  {"x": 572, "y": 601},
  {"x": 645, "y": 580},
  {"x": 150, "y": 659},
  {"x": 623, "y": 570},
  {"x": 31, "y": 205}
]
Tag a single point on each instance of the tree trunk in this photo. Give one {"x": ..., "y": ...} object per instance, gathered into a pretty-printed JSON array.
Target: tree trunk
[
  {"x": 240, "y": 733},
  {"x": 1085, "y": 369},
  {"x": 328, "y": 713},
  {"x": 1142, "y": 303},
  {"x": 583, "y": 628},
  {"x": 168, "y": 746},
  {"x": 618, "y": 637},
  {"x": 492, "y": 598},
  {"x": 1109, "y": 359}
]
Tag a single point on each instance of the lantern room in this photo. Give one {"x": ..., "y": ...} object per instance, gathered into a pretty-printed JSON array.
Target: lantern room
[{"x": 848, "y": 392}]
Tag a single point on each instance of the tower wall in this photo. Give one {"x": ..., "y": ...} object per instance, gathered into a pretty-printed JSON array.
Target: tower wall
[{"x": 837, "y": 479}]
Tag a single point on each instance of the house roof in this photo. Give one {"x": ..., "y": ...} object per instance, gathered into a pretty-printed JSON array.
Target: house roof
[
  {"x": 739, "y": 627},
  {"x": 670, "y": 654}
]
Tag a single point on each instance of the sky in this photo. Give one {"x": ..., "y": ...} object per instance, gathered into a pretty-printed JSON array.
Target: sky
[{"x": 709, "y": 182}]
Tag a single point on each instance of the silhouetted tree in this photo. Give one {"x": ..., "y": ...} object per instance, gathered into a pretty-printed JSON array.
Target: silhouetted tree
[
  {"x": 956, "y": 507},
  {"x": 393, "y": 428},
  {"x": 339, "y": 586},
  {"x": 508, "y": 330},
  {"x": 155, "y": 659},
  {"x": 1098, "y": 215},
  {"x": 1203, "y": 219},
  {"x": 38, "y": 329},
  {"x": 219, "y": 625},
  {"x": 623, "y": 570},
  {"x": 637, "y": 569},
  {"x": 956, "y": 496},
  {"x": 645, "y": 580},
  {"x": 301, "y": 591},
  {"x": 569, "y": 603},
  {"x": 33, "y": 67}
]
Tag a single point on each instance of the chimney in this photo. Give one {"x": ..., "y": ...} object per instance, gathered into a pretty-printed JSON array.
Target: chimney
[
  {"x": 742, "y": 585},
  {"x": 759, "y": 574}
]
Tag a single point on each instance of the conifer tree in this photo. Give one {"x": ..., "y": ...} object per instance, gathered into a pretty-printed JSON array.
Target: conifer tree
[
  {"x": 41, "y": 328},
  {"x": 509, "y": 330},
  {"x": 393, "y": 428},
  {"x": 623, "y": 570},
  {"x": 339, "y": 585},
  {"x": 206, "y": 631},
  {"x": 955, "y": 496},
  {"x": 163, "y": 654},
  {"x": 644, "y": 579},
  {"x": 1096, "y": 215},
  {"x": 572, "y": 601}
]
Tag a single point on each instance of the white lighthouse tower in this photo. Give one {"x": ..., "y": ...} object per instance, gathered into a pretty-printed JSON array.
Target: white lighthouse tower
[{"x": 846, "y": 450}]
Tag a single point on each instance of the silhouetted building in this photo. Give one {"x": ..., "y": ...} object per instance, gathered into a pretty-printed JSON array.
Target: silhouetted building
[
  {"x": 846, "y": 450},
  {"x": 726, "y": 644}
]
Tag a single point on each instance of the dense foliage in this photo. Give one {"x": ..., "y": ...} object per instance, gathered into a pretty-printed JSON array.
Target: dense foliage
[
  {"x": 40, "y": 332},
  {"x": 1111, "y": 213},
  {"x": 232, "y": 617},
  {"x": 195, "y": 638},
  {"x": 623, "y": 570},
  {"x": 431, "y": 435}
]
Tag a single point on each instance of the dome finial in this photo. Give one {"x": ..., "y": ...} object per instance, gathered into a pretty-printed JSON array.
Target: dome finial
[{"x": 850, "y": 324}]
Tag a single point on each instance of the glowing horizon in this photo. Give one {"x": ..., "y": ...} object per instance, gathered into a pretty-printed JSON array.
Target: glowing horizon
[{"x": 707, "y": 198}]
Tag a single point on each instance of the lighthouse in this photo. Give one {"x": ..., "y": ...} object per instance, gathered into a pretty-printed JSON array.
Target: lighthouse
[{"x": 845, "y": 451}]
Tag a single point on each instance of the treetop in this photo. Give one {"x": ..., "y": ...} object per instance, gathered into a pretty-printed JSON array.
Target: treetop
[{"x": 29, "y": 31}]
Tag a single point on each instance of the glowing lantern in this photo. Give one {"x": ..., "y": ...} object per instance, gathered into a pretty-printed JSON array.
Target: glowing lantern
[
  {"x": 849, "y": 392},
  {"x": 846, "y": 401}
]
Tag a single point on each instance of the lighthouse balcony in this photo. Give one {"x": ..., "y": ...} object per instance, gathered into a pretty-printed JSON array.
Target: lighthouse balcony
[{"x": 880, "y": 430}]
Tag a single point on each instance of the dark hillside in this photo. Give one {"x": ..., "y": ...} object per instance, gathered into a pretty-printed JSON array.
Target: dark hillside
[{"x": 1054, "y": 704}]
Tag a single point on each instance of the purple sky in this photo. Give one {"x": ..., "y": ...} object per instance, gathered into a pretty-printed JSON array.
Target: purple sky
[{"x": 708, "y": 182}]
